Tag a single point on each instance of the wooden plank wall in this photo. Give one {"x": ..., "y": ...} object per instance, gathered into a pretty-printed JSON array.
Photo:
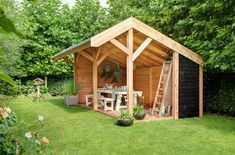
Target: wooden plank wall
[
  {"x": 143, "y": 80},
  {"x": 84, "y": 77},
  {"x": 146, "y": 80}
]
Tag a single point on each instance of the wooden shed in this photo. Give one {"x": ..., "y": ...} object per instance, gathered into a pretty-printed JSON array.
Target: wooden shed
[{"x": 166, "y": 72}]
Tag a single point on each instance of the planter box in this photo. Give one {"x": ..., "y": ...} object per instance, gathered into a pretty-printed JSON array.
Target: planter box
[{"x": 71, "y": 100}]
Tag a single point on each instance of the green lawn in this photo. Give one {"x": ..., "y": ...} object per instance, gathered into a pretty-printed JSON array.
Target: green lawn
[{"x": 75, "y": 130}]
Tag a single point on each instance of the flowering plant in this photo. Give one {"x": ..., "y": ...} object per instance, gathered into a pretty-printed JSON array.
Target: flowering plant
[{"x": 15, "y": 140}]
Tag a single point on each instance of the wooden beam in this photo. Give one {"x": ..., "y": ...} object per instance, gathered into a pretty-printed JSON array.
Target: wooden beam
[
  {"x": 166, "y": 41},
  {"x": 200, "y": 90},
  {"x": 94, "y": 79},
  {"x": 75, "y": 68},
  {"x": 175, "y": 86},
  {"x": 111, "y": 33},
  {"x": 69, "y": 61},
  {"x": 98, "y": 52},
  {"x": 141, "y": 48},
  {"x": 86, "y": 55},
  {"x": 107, "y": 53},
  {"x": 120, "y": 45},
  {"x": 155, "y": 47},
  {"x": 123, "y": 65},
  {"x": 129, "y": 69},
  {"x": 150, "y": 85}
]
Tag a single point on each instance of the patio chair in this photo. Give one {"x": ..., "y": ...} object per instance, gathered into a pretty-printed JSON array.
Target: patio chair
[{"x": 107, "y": 103}]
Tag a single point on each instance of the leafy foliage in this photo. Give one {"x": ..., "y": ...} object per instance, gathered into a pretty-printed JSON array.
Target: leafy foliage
[
  {"x": 207, "y": 27},
  {"x": 125, "y": 115},
  {"x": 139, "y": 108},
  {"x": 70, "y": 88}
]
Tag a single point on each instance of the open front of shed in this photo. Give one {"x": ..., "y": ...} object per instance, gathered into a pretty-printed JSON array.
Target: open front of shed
[{"x": 165, "y": 76}]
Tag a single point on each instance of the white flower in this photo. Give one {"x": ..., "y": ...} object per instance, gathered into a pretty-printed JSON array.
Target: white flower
[
  {"x": 8, "y": 110},
  {"x": 28, "y": 135},
  {"x": 40, "y": 118},
  {"x": 37, "y": 142}
]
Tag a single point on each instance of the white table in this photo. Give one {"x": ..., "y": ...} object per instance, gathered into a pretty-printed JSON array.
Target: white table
[{"x": 117, "y": 94}]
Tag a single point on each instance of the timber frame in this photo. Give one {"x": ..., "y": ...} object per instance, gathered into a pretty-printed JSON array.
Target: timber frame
[{"x": 133, "y": 41}]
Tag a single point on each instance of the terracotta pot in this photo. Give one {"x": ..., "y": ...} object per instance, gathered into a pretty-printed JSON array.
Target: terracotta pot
[
  {"x": 140, "y": 116},
  {"x": 125, "y": 122},
  {"x": 71, "y": 100}
]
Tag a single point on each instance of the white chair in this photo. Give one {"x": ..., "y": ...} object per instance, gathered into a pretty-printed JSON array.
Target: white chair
[
  {"x": 105, "y": 103},
  {"x": 89, "y": 99},
  {"x": 119, "y": 103}
]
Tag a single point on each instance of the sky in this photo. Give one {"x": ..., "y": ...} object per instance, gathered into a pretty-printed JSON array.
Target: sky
[{"x": 71, "y": 2}]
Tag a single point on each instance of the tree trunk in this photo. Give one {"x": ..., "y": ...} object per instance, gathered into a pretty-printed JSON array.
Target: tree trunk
[{"x": 45, "y": 79}]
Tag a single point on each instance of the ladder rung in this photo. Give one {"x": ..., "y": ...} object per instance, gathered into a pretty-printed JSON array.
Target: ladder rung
[
  {"x": 159, "y": 96},
  {"x": 161, "y": 89},
  {"x": 164, "y": 75}
]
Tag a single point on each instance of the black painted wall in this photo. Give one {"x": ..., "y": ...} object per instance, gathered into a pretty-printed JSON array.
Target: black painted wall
[{"x": 188, "y": 88}]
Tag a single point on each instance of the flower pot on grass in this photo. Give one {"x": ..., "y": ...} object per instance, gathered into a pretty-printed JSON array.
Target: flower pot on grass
[
  {"x": 72, "y": 93},
  {"x": 125, "y": 119},
  {"x": 139, "y": 116},
  {"x": 71, "y": 100},
  {"x": 139, "y": 113}
]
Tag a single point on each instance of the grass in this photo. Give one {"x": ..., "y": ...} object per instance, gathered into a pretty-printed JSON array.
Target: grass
[{"x": 75, "y": 130}]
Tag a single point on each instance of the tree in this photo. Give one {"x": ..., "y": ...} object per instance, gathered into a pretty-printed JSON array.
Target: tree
[
  {"x": 7, "y": 30},
  {"x": 207, "y": 27}
]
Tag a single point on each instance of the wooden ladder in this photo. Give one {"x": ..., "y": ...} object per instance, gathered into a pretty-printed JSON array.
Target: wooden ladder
[{"x": 162, "y": 85}]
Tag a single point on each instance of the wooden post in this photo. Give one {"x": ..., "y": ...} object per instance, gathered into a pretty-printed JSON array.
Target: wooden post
[
  {"x": 175, "y": 86},
  {"x": 200, "y": 90},
  {"x": 129, "y": 69},
  {"x": 95, "y": 98},
  {"x": 75, "y": 68},
  {"x": 150, "y": 85}
]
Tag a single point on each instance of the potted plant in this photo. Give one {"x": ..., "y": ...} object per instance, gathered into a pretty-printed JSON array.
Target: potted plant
[
  {"x": 125, "y": 119},
  {"x": 71, "y": 91},
  {"x": 139, "y": 113}
]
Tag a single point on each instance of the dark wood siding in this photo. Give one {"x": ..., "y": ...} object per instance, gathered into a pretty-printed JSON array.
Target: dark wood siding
[{"x": 188, "y": 88}]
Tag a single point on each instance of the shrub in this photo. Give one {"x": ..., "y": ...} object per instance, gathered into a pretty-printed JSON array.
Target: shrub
[
  {"x": 70, "y": 89},
  {"x": 56, "y": 88},
  {"x": 16, "y": 141},
  {"x": 223, "y": 102}
]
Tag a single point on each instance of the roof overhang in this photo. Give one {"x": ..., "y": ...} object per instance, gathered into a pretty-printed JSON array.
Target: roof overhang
[
  {"x": 120, "y": 28},
  {"x": 72, "y": 49}
]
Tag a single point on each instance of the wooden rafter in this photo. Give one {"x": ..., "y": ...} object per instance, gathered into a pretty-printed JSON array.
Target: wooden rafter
[
  {"x": 86, "y": 55},
  {"x": 152, "y": 57},
  {"x": 166, "y": 41},
  {"x": 141, "y": 48},
  {"x": 159, "y": 51},
  {"x": 119, "y": 45},
  {"x": 107, "y": 53}
]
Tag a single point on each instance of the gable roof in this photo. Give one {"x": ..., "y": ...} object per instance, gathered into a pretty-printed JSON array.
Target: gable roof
[{"x": 124, "y": 26}]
